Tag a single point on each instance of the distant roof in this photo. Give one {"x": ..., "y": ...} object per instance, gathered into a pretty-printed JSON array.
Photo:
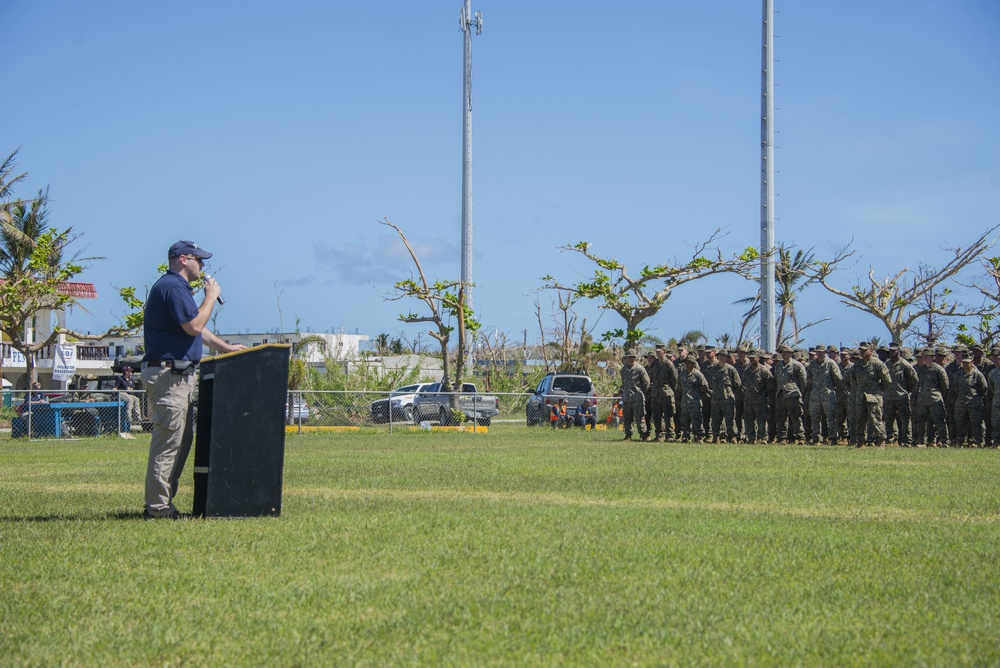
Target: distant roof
[{"x": 78, "y": 290}]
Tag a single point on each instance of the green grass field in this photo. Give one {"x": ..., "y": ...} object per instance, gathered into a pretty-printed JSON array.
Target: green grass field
[{"x": 517, "y": 547}]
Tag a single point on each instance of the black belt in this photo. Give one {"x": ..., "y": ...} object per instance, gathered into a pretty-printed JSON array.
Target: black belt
[{"x": 163, "y": 364}]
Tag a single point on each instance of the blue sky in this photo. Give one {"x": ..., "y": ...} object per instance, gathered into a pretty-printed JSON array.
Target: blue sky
[{"x": 278, "y": 134}]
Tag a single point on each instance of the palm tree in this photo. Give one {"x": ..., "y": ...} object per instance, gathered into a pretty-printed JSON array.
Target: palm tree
[
  {"x": 691, "y": 338},
  {"x": 382, "y": 343},
  {"x": 790, "y": 279}
]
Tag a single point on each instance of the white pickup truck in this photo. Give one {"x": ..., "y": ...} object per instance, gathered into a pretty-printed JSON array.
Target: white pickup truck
[{"x": 431, "y": 404}]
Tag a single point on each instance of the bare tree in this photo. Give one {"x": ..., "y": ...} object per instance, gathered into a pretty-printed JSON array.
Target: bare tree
[
  {"x": 440, "y": 297},
  {"x": 637, "y": 298},
  {"x": 897, "y": 300}
]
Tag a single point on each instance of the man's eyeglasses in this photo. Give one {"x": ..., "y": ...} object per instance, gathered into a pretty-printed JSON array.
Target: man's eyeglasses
[{"x": 199, "y": 260}]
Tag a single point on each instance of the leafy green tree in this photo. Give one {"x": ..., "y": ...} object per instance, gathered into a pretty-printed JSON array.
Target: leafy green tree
[
  {"x": 637, "y": 298},
  {"x": 35, "y": 268}
]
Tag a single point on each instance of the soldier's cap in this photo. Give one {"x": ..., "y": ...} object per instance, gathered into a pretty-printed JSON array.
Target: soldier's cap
[
  {"x": 819, "y": 348},
  {"x": 650, "y": 354},
  {"x": 959, "y": 349},
  {"x": 832, "y": 349},
  {"x": 691, "y": 359},
  {"x": 744, "y": 348},
  {"x": 864, "y": 345},
  {"x": 856, "y": 352},
  {"x": 941, "y": 351},
  {"x": 700, "y": 347},
  {"x": 754, "y": 352},
  {"x": 995, "y": 350},
  {"x": 976, "y": 346},
  {"x": 725, "y": 351},
  {"x": 893, "y": 346},
  {"x": 925, "y": 352},
  {"x": 883, "y": 349},
  {"x": 660, "y": 346},
  {"x": 785, "y": 348},
  {"x": 629, "y": 354},
  {"x": 187, "y": 248},
  {"x": 709, "y": 349}
]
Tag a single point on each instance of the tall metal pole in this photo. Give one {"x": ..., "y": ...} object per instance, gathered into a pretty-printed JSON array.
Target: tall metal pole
[
  {"x": 767, "y": 296},
  {"x": 468, "y": 22}
]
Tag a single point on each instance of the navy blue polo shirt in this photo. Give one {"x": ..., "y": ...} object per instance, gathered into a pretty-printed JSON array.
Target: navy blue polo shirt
[{"x": 170, "y": 303}]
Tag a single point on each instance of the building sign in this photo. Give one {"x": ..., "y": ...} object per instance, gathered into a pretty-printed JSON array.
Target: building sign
[{"x": 64, "y": 364}]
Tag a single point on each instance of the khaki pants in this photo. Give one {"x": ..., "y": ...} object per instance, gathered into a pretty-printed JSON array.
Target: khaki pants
[
  {"x": 171, "y": 411},
  {"x": 134, "y": 410}
]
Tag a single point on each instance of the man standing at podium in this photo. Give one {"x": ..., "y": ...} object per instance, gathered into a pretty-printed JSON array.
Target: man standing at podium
[{"x": 175, "y": 329}]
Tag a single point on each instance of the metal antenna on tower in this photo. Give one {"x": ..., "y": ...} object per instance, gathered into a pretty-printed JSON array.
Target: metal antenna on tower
[
  {"x": 767, "y": 296},
  {"x": 468, "y": 23}
]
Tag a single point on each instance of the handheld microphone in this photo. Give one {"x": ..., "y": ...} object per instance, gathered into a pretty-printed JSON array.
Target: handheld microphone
[{"x": 219, "y": 299}]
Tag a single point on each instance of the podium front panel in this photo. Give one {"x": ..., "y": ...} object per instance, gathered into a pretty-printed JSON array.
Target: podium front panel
[{"x": 240, "y": 442}]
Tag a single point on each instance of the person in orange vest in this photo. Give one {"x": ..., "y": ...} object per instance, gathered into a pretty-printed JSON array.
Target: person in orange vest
[
  {"x": 559, "y": 417},
  {"x": 614, "y": 418}
]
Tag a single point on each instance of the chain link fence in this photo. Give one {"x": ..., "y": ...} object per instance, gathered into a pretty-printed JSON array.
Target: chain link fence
[
  {"x": 318, "y": 411},
  {"x": 72, "y": 413},
  {"x": 47, "y": 414}
]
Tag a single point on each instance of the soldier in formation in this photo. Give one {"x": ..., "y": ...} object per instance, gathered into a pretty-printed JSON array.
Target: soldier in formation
[
  {"x": 850, "y": 395},
  {"x": 635, "y": 385}
]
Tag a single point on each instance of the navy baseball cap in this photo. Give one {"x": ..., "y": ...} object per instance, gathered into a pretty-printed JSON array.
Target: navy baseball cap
[{"x": 187, "y": 248}]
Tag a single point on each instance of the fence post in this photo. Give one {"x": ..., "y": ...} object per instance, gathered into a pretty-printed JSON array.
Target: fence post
[{"x": 388, "y": 403}]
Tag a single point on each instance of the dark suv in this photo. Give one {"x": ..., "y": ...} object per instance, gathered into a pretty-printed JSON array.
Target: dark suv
[{"x": 574, "y": 387}]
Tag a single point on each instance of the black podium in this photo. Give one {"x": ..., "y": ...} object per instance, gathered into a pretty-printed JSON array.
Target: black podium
[{"x": 240, "y": 444}]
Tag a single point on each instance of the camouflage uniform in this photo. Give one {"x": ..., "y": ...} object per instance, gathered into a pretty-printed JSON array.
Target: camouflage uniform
[
  {"x": 844, "y": 396},
  {"x": 807, "y": 360},
  {"x": 635, "y": 383},
  {"x": 680, "y": 416},
  {"x": 993, "y": 380},
  {"x": 663, "y": 385},
  {"x": 897, "y": 400},
  {"x": 741, "y": 369},
  {"x": 970, "y": 392},
  {"x": 985, "y": 365},
  {"x": 790, "y": 383},
  {"x": 953, "y": 368},
  {"x": 873, "y": 381},
  {"x": 694, "y": 388},
  {"x": 856, "y": 430},
  {"x": 725, "y": 382},
  {"x": 758, "y": 388},
  {"x": 932, "y": 415},
  {"x": 929, "y": 409},
  {"x": 708, "y": 369},
  {"x": 650, "y": 363},
  {"x": 823, "y": 378}
]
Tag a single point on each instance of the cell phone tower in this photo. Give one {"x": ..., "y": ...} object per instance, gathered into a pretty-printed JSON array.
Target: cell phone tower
[
  {"x": 767, "y": 251},
  {"x": 469, "y": 22}
]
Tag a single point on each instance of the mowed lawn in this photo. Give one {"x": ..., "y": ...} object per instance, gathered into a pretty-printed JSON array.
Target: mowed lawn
[{"x": 516, "y": 547}]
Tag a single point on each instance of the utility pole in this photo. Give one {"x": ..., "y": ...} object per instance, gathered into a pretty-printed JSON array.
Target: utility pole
[
  {"x": 469, "y": 23},
  {"x": 767, "y": 296}
]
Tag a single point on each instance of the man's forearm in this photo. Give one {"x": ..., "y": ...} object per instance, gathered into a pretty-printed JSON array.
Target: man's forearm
[{"x": 215, "y": 343}]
